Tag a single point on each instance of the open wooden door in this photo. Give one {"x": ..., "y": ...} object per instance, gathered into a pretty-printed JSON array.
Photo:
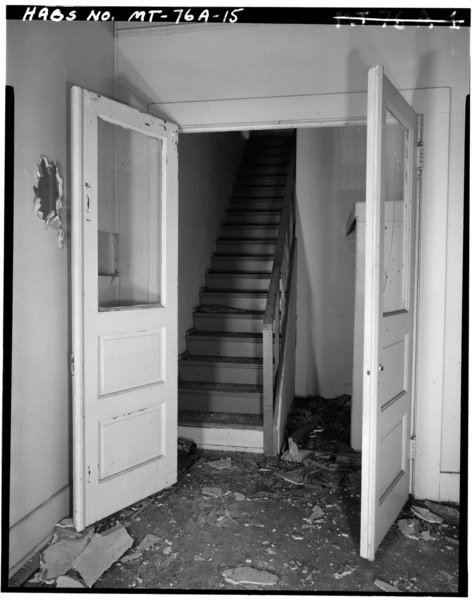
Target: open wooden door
[
  {"x": 124, "y": 304},
  {"x": 389, "y": 309}
]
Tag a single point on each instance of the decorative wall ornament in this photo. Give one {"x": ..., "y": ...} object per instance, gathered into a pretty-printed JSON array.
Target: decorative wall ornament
[{"x": 47, "y": 202}]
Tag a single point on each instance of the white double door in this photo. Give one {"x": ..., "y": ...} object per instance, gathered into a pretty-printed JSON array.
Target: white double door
[{"x": 124, "y": 297}]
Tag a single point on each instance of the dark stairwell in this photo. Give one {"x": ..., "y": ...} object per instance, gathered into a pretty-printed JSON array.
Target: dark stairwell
[{"x": 221, "y": 372}]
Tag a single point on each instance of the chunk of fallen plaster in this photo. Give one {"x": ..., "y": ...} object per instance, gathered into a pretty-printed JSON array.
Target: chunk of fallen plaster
[
  {"x": 386, "y": 587},
  {"x": 449, "y": 513},
  {"x": 409, "y": 528},
  {"x": 239, "y": 497},
  {"x": 426, "y": 515},
  {"x": 130, "y": 557},
  {"x": 57, "y": 559},
  {"x": 249, "y": 576},
  {"x": 148, "y": 541},
  {"x": 68, "y": 582},
  {"x": 222, "y": 463},
  {"x": 102, "y": 551},
  {"x": 316, "y": 514}
]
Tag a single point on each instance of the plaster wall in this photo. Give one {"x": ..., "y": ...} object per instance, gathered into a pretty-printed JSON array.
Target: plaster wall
[
  {"x": 207, "y": 167},
  {"x": 330, "y": 179},
  {"x": 43, "y": 60}
]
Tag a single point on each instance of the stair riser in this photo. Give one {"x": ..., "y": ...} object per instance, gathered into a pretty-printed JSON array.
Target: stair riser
[
  {"x": 231, "y": 323},
  {"x": 221, "y": 373},
  {"x": 225, "y": 347},
  {"x": 255, "y": 192},
  {"x": 236, "y": 282},
  {"x": 233, "y": 300},
  {"x": 249, "y": 232},
  {"x": 253, "y": 218},
  {"x": 256, "y": 204},
  {"x": 261, "y": 180},
  {"x": 245, "y": 247},
  {"x": 257, "y": 161},
  {"x": 253, "y": 170},
  {"x": 214, "y": 402},
  {"x": 242, "y": 264}
]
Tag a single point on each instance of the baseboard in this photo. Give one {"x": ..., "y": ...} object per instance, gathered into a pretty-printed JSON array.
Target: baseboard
[{"x": 34, "y": 530}]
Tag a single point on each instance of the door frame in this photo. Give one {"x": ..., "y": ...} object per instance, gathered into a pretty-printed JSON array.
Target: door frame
[{"x": 346, "y": 109}]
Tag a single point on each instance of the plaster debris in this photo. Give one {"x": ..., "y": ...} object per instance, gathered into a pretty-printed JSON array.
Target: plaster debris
[
  {"x": 102, "y": 551},
  {"x": 316, "y": 514},
  {"x": 148, "y": 541},
  {"x": 452, "y": 541},
  {"x": 239, "y": 497},
  {"x": 448, "y": 513},
  {"x": 426, "y": 537},
  {"x": 409, "y": 528},
  {"x": 296, "y": 477},
  {"x": 222, "y": 463},
  {"x": 249, "y": 576},
  {"x": 130, "y": 557},
  {"x": 215, "y": 492},
  {"x": 68, "y": 582},
  {"x": 386, "y": 587},
  {"x": 57, "y": 559},
  {"x": 347, "y": 570},
  {"x": 426, "y": 515}
]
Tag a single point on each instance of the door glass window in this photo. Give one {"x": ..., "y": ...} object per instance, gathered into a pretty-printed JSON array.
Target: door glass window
[
  {"x": 129, "y": 217},
  {"x": 395, "y": 211}
]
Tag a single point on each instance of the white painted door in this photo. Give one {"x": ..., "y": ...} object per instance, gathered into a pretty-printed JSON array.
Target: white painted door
[
  {"x": 124, "y": 305},
  {"x": 389, "y": 309}
]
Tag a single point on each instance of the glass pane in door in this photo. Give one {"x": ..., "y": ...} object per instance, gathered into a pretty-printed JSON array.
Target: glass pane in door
[
  {"x": 395, "y": 211},
  {"x": 129, "y": 217}
]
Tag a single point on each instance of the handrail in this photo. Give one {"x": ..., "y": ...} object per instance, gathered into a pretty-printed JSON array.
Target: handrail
[
  {"x": 276, "y": 309},
  {"x": 283, "y": 230}
]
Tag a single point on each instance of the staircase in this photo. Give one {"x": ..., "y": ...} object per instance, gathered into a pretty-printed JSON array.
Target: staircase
[{"x": 221, "y": 372}]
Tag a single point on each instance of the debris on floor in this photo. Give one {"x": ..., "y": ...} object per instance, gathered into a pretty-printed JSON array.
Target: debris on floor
[
  {"x": 450, "y": 514},
  {"x": 249, "y": 575},
  {"x": 101, "y": 552},
  {"x": 409, "y": 528},
  {"x": 65, "y": 581},
  {"x": 386, "y": 587},
  {"x": 426, "y": 515},
  {"x": 238, "y": 521}
]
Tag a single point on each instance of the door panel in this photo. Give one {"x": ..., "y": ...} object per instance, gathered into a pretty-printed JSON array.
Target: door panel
[
  {"x": 124, "y": 246},
  {"x": 389, "y": 309}
]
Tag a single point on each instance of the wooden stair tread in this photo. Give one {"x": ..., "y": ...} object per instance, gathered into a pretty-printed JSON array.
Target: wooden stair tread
[
  {"x": 234, "y": 360},
  {"x": 230, "y": 388},
  {"x": 214, "y": 419},
  {"x": 223, "y": 334}
]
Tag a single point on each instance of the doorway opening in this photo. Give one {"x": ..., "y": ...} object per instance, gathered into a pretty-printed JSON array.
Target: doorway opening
[{"x": 330, "y": 181}]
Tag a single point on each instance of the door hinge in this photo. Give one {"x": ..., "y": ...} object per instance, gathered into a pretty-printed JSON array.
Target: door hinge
[
  {"x": 73, "y": 369},
  {"x": 89, "y": 474},
  {"x": 413, "y": 448},
  {"x": 420, "y": 159}
]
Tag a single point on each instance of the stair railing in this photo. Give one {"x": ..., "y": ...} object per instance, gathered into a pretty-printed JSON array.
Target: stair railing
[{"x": 279, "y": 325}]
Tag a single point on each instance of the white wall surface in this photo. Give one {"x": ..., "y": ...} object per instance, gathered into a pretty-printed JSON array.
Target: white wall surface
[
  {"x": 207, "y": 167},
  {"x": 283, "y": 63},
  {"x": 330, "y": 179},
  {"x": 43, "y": 60}
]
